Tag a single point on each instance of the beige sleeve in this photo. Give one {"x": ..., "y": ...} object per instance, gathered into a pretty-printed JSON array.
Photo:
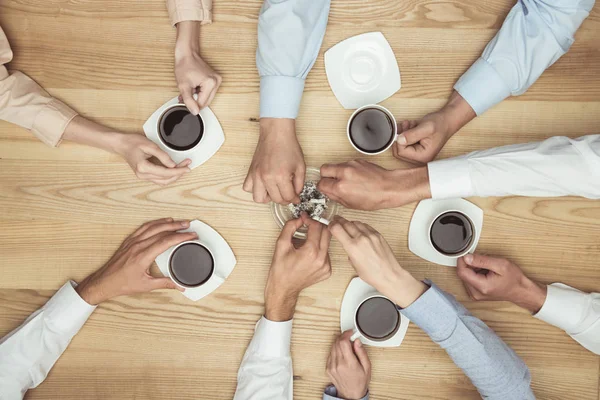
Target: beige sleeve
[
  {"x": 190, "y": 10},
  {"x": 25, "y": 103}
]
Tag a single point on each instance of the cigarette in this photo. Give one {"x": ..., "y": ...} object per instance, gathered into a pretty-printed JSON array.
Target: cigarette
[{"x": 321, "y": 220}]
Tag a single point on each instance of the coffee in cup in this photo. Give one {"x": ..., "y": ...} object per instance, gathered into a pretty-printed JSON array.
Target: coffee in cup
[
  {"x": 191, "y": 264},
  {"x": 452, "y": 233},
  {"x": 179, "y": 129},
  {"x": 372, "y": 129},
  {"x": 377, "y": 319}
]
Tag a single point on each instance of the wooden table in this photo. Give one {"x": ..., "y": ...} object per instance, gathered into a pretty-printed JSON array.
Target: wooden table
[{"x": 64, "y": 211}]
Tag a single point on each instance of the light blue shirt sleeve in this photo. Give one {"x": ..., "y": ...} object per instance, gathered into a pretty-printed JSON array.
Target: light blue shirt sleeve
[
  {"x": 493, "y": 367},
  {"x": 534, "y": 35},
  {"x": 290, "y": 33},
  {"x": 331, "y": 394}
]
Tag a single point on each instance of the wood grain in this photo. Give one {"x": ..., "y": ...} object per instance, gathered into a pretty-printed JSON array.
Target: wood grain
[{"x": 64, "y": 211}]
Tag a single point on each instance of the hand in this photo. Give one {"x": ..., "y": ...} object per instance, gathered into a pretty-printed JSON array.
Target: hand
[
  {"x": 374, "y": 261},
  {"x": 295, "y": 269},
  {"x": 362, "y": 185},
  {"x": 277, "y": 170},
  {"x": 491, "y": 278},
  {"x": 128, "y": 271},
  {"x": 137, "y": 151},
  {"x": 421, "y": 141},
  {"x": 349, "y": 368},
  {"x": 193, "y": 74}
]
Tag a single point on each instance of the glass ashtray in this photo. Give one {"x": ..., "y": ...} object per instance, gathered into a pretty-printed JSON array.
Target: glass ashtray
[{"x": 282, "y": 212}]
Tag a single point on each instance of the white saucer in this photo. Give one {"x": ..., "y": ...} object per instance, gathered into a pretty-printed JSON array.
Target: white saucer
[
  {"x": 210, "y": 143},
  {"x": 356, "y": 292},
  {"x": 224, "y": 260},
  {"x": 425, "y": 213},
  {"x": 362, "y": 70}
]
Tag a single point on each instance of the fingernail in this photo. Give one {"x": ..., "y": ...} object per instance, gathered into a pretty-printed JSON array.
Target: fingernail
[
  {"x": 170, "y": 219},
  {"x": 185, "y": 224},
  {"x": 359, "y": 344},
  {"x": 468, "y": 258},
  {"x": 401, "y": 139}
]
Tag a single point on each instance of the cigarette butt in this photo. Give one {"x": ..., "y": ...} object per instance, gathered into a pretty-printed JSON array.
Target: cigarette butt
[{"x": 321, "y": 220}]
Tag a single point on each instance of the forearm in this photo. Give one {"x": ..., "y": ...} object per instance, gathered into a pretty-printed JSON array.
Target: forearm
[
  {"x": 559, "y": 166},
  {"x": 83, "y": 131},
  {"x": 29, "y": 352},
  {"x": 188, "y": 39},
  {"x": 290, "y": 33},
  {"x": 404, "y": 186},
  {"x": 495, "y": 370}
]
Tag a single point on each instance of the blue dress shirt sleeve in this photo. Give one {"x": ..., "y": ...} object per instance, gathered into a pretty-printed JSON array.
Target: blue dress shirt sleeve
[
  {"x": 290, "y": 33},
  {"x": 534, "y": 35},
  {"x": 495, "y": 370}
]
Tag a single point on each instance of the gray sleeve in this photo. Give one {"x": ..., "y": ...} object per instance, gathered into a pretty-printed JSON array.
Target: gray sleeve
[{"x": 493, "y": 367}]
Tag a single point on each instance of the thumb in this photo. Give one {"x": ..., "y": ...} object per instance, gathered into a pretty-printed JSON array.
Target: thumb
[
  {"x": 164, "y": 283},
  {"x": 289, "y": 229},
  {"x": 361, "y": 354},
  {"x": 162, "y": 156},
  {"x": 188, "y": 99},
  {"x": 414, "y": 135},
  {"x": 486, "y": 262},
  {"x": 468, "y": 275}
]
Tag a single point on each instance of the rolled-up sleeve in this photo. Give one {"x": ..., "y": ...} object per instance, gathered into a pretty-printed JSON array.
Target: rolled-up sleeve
[
  {"x": 533, "y": 36},
  {"x": 290, "y": 33},
  {"x": 23, "y": 102},
  {"x": 190, "y": 10}
]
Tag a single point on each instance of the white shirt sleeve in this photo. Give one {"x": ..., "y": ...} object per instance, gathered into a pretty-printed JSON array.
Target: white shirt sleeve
[
  {"x": 558, "y": 166},
  {"x": 575, "y": 312},
  {"x": 266, "y": 370},
  {"x": 534, "y": 35},
  {"x": 28, "y": 353}
]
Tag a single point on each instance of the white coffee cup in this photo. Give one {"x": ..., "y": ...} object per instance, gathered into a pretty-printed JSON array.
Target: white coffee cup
[
  {"x": 469, "y": 247},
  {"x": 169, "y": 265},
  {"x": 390, "y": 116},
  {"x": 357, "y": 331}
]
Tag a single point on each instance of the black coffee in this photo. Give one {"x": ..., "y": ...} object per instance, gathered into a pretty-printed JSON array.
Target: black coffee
[
  {"x": 378, "y": 318},
  {"x": 179, "y": 129},
  {"x": 191, "y": 265},
  {"x": 371, "y": 130},
  {"x": 451, "y": 233}
]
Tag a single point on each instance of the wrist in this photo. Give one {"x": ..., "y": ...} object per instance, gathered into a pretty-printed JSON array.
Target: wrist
[
  {"x": 456, "y": 113},
  {"x": 280, "y": 304},
  {"x": 277, "y": 126},
  {"x": 531, "y": 296},
  {"x": 90, "y": 291},
  {"x": 188, "y": 39},
  {"x": 403, "y": 288},
  {"x": 352, "y": 396},
  {"x": 408, "y": 186}
]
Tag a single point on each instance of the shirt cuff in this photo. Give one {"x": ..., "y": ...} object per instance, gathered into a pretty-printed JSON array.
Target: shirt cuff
[
  {"x": 563, "y": 307},
  {"x": 188, "y": 10},
  {"x": 66, "y": 311},
  {"x": 450, "y": 178},
  {"x": 331, "y": 394},
  {"x": 272, "y": 339},
  {"x": 482, "y": 87},
  {"x": 433, "y": 313},
  {"x": 50, "y": 124},
  {"x": 280, "y": 96}
]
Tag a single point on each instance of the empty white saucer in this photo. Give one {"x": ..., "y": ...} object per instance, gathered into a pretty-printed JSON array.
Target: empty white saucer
[
  {"x": 211, "y": 141},
  {"x": 357, "y": 291},
  {"x": 427, "y": 210},
  {"x": 224, "y": 259},
  {"x": 362, "y": 70}
]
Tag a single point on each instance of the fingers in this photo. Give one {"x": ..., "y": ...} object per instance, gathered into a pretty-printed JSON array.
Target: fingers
[
  {"x": 315, "y": 230},
  {"x": 337, "y": 231},
  {"x": 208, "y": 89},
  {"x": 290, "y": 227},
  {"x": 187, "y": 94},
  {"x": 361, "y": 354},
  {"x": 161, "y": 155},
  {"x": 468, "y": 275},
  {"x": 331, "y": 171},
  {"x": 144, "y": 227},
  {"x": 288, "y": 192},
  {"x": 273, "y": 191},
  {"x": 349, "y": 227},
  {"x": 298, "y": 180},
  {"x": 259, "y": 192},
  {"x": 494, "y": 264},
  {"x": 148, "y": 168},
  {"x": 414, "y": 135},
  {"x": 161, "y": 242},
  {"x": 163, "y": 283},
  {"x": 328, "y": 186},
  {"x": 172, "y": 226}
]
